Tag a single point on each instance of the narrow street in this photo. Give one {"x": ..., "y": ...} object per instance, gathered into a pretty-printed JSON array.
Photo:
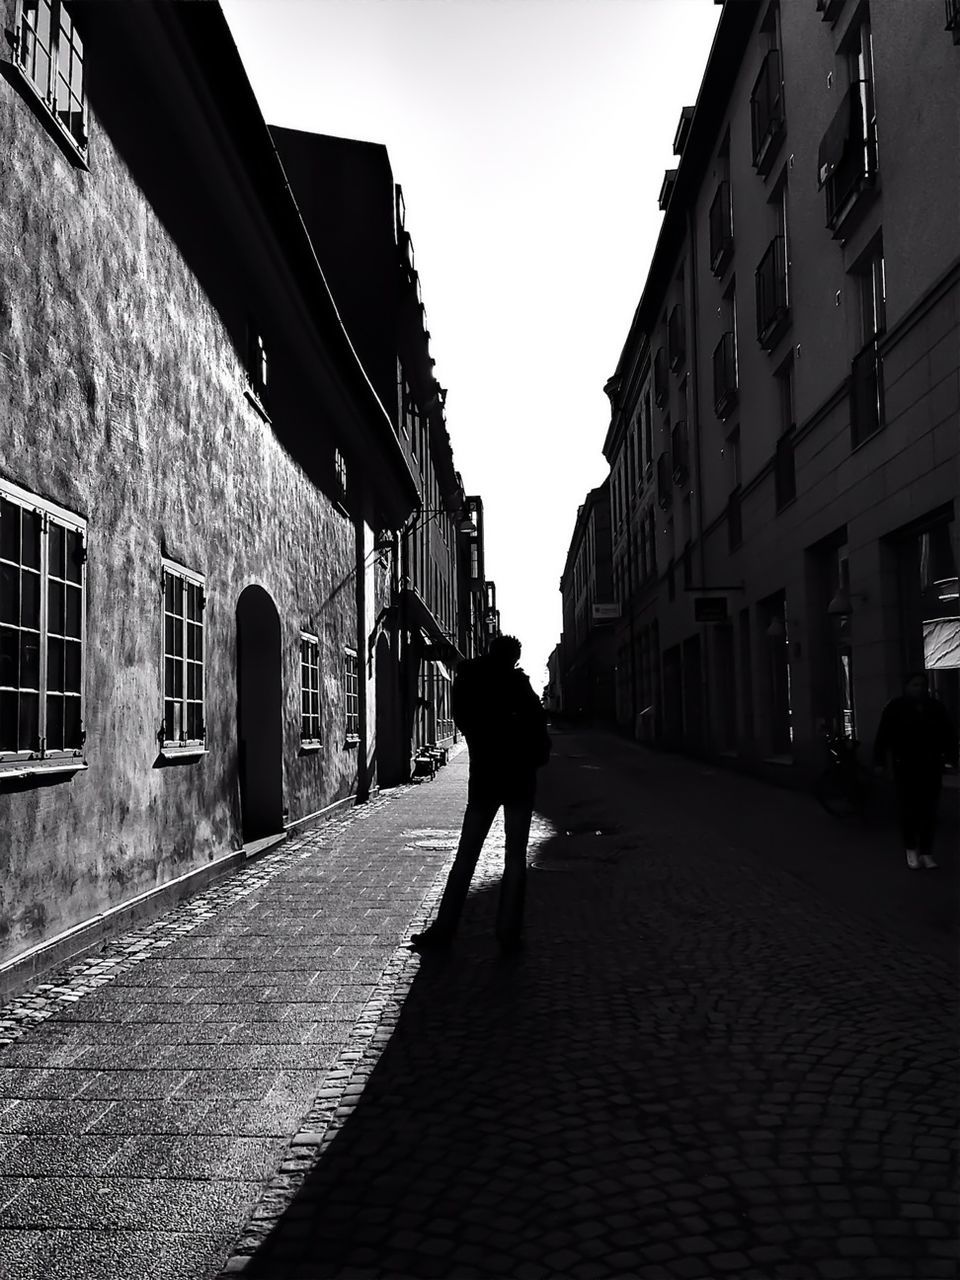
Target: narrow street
[{"x": 728, "y": 1049}]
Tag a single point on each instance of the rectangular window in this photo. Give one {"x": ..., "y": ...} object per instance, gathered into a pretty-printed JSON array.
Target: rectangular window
[
  {"x": 42, "y": 616},
  {"x": 309, "y": 689},
  {"x": 183, "y": 658},
  {"x": 49, "y": 53},
  {"x": 351, "y": 694},
  {"x": 784, "y": 471}
]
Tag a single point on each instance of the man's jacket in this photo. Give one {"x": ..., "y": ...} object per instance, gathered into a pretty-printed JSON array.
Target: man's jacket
[
  {"x": 504, "y": 724},
  {"x": 916, "y": 733}
]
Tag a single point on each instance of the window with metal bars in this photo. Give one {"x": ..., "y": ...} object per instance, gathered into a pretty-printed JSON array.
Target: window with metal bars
[
  {"x": 767, "y": 119},
  {"x": 351, "y": 694},
  {"x": 49, "y": 53},
  {"x": 310, "y": 731},
  {"x": 721, "y": 229},
  {"x": 184, "y": 602},
  {"x": 42, "y": 625}
]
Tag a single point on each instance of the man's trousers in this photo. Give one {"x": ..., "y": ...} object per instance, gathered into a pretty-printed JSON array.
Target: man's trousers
[
  {"x": 477, "y": 820},
  {"x": 918, "y": 791}
]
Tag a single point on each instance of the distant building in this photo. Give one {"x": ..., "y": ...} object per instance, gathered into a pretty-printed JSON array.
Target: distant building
[
  {"x": 785, "y": 413},
  {"x": 471, "y": 595},
  {"x": 194, "y": 471},
  {"x": 589, "y": 614},
  {"x": 491, "y": 614},
  {"x": 356, "y": 219},
  {"x": 553, "y": 693}
]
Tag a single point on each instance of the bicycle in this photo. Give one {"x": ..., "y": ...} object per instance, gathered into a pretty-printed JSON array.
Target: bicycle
[{"x": 843, "y": 789}]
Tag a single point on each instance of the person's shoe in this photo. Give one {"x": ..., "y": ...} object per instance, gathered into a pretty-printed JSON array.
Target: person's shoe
[
  {"x": 913, "y": 859},
  {"x": 928, "y": 861},
  {"x": 432, "y": 939}
]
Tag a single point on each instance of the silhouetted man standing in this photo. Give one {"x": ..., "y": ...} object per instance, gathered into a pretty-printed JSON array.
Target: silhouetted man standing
[
  {"x": 505, "y": 727},
  {"x": 915, "y": 731}
]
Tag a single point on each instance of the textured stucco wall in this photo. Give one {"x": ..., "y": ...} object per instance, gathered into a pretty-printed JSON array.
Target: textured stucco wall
[{"x": 121, "y": 398}]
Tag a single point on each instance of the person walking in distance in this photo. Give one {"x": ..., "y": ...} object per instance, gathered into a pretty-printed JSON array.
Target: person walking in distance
[
  {"x": 505, "y": 727},
  {"x": 915, "y": 733}
]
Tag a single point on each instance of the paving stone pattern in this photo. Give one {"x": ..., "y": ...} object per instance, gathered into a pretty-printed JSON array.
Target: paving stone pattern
[
  {"x": 147, "y": 1092},
  {"x": 701, "y": 1066}
]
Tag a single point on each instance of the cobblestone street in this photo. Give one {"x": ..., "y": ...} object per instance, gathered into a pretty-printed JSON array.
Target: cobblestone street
[{"x": 728, "y": 1049}]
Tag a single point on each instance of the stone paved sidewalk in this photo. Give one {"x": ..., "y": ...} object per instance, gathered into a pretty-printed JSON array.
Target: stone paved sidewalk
[
  {"x": 148, "y": 1091},
  {"x": 704, "y": 1064}
]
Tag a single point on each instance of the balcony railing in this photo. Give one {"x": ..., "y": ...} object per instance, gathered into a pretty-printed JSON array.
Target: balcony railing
[
  {"x": 676, "y": 338},
  {"x": 866, "y": 393},
  {"x": 953, "y": 19},
  {"x": 734, "y": 520},
  {"x": 660, "y": 377},
  {"x": 766, "y": 112},
  {"x": 847, "y": 159},
  {"x": 724, "y": 376},
  {"x": 784, "y": 471},
  {"x": 664, "y": 489},
  {"x": 679, "y": 453},
  {"x": 773, "y": 301},
  {"x": 721, "y": 229}
]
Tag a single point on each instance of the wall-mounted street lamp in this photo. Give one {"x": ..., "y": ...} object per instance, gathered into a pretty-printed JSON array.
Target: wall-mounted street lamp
[
  {"x": 464, "y": 519},
  {"x": 841, "y": 605}
]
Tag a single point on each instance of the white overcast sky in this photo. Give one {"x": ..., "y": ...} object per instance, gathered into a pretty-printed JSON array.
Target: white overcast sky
[{"x": 530, "y": 138}]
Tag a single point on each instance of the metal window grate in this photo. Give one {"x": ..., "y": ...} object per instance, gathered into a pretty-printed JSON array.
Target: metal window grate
[
  {"x": 771, "y": 290},
  {"x": 724, "y": 375},
  {"x": 721, "y": 229},
  {"x": 866, "y": 393},
  {"x": 766, "y": 112}
]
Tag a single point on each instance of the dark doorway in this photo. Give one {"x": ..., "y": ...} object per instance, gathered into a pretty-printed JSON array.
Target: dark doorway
[
  {"x": 726, "y": 687},
  {"x": 692, "y": 694},
  {"x": 673, "y": 697},
  {"x": 259, "y": 718},
  {"x": 389, "y": 768}
]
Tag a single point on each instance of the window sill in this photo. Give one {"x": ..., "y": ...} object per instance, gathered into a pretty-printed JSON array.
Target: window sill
[
  {"x": 351, "y": 741},
  {"x": 47, "y": 117},
  {"x": 182, "y": 753},
  {"x": 41, "y": 768},
  {"x": 252, "y": 398},
  {"x": 310, "y": 748}
]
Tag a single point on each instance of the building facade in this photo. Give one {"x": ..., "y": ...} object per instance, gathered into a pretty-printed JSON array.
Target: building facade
[
  {"x": 783, "y": 443},
  {"x": 210, "y": 516},
  {"x": 589, "y": 614},
  {"x": 356, "y": 218}
]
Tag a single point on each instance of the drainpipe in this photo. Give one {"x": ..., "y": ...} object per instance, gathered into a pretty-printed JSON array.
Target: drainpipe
[{"x": 695, "y": 415}]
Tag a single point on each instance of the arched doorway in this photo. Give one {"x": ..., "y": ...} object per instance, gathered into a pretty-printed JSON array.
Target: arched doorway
[{"x": 259, "y": 715}]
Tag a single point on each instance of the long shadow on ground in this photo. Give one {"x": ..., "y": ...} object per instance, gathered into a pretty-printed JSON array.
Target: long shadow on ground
[{"x": 691, "y": 1072}]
